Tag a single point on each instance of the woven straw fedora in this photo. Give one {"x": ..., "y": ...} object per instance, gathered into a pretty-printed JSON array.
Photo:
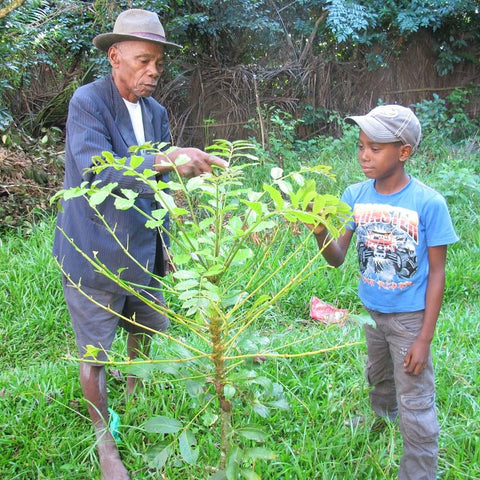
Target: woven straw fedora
[{"x": 134, "y": 24}]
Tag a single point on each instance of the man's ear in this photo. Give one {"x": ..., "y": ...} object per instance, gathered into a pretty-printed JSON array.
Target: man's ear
[
  {"x": 405, "y": 152},
  {"x": 113, "y": 56}
]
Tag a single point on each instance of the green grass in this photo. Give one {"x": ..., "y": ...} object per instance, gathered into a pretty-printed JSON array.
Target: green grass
[{"x": 45, "y": 433}]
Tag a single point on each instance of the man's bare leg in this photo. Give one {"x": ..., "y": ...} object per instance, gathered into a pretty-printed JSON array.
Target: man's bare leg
[
  {"x": 138, "y": 344},
  {"x": 94, "y": 386}
]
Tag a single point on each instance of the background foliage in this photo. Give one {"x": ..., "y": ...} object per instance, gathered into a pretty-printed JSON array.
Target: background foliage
[{"x": 305, "y": 53}]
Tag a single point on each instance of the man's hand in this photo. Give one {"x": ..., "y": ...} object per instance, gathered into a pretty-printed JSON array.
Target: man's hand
[
  {"x": 188, "y": 162},
  {"x": 416, "y": 357}
]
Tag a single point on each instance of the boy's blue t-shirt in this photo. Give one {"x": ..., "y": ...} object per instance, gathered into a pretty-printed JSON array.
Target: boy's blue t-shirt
[{"x": 393, "y": 235}]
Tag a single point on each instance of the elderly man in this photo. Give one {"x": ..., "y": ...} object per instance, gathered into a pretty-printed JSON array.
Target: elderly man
[{"x": 112, "y": 114}]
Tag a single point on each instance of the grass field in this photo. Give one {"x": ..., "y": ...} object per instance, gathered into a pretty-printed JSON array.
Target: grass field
[{"x": 45, "y": 432}]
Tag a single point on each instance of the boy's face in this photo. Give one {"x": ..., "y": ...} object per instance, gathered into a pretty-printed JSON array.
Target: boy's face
[
  {"x": 136, "y": 66},
  {"x": 381, "y": 161}
]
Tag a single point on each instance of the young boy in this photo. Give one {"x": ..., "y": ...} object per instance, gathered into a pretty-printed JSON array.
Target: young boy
[{"x": 402, "y": 231}]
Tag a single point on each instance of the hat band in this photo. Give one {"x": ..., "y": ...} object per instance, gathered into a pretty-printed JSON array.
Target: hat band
[{"x": 151, "y": 36}]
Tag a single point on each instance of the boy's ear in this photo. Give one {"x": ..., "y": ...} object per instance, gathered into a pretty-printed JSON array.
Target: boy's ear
[{"x": 405, "y": 152}]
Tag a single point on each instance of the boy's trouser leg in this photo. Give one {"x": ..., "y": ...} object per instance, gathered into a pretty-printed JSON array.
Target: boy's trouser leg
[
  {"x": 416, "y": 399},
  {"x": 379, "y": 373}
]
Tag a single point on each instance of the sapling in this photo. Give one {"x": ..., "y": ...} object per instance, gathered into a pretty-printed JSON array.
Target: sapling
[{"x": 230, "y": 246}]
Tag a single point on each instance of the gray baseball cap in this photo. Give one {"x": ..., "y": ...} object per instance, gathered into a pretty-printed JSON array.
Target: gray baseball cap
[{"x": 390, "y": 123}]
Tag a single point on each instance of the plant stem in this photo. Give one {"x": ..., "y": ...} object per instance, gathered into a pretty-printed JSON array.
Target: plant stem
[{"x": 218, "y": 358}]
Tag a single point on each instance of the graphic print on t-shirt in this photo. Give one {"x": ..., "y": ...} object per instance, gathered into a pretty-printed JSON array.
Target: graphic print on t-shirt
[{"x": 386, "y": 243}]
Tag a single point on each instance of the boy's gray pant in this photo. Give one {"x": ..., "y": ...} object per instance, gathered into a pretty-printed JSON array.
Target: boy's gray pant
[{"x": 396, "y": 392}]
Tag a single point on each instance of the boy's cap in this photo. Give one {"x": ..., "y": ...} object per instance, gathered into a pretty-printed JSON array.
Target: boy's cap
[{"x": 389, "y": 124}]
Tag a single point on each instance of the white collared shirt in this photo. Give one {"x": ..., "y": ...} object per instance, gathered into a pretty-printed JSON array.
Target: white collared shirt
[{"x": 135, "y": 111}]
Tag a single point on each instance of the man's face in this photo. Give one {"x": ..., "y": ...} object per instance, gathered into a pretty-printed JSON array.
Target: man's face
[{"x": 136, "y": 67}]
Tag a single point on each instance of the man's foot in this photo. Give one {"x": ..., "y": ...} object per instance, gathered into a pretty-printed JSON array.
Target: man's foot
[{"x": 111, "y": 465}]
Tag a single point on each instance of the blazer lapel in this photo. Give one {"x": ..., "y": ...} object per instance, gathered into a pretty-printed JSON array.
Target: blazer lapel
[
  {"x": 122, "y": 118},
  {"x": 147, "y": 121}
]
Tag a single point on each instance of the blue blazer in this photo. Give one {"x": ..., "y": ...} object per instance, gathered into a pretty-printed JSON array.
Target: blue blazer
[{"x": 98, "y": 121}]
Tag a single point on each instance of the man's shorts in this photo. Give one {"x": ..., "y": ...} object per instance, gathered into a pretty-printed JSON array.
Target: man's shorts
[{"x": 96, "y": 326}]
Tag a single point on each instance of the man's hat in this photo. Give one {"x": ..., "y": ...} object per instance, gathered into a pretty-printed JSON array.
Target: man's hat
[
  {"x": 134, "y": 24},
  {"x": 390, "y": 123}
]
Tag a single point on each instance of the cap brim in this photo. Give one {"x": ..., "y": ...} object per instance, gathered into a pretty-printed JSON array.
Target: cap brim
[
  {"x": 105, "y": 40},
  {"x": 373, "y": 129}
]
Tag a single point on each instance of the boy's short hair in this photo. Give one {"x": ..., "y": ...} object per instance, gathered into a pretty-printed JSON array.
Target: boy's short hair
[{"x": 390, "y": 124}]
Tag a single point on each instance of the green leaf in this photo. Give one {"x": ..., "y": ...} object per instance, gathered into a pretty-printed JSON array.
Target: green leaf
[
  {"x": 141, "y": 370},
  {"x": 284, "y": 186},
  {"x": 128, "y": 193},
  {"x": 91, "y": 351},
  {"x": 264, "y": 226},
  {"x": 249, "y": 474},
  {"x": 186, "y": 441},
  {"x": 124, "y": 203},
  {"x": 181, "y": 258},
  {"x": 136, "y": 161},
  {"x": 186, "y": 274},
  {"x": 206, "y": 223},
  {"x": 318, "y": 204},
  {"x": 189, "y": 284},
  {"x": 305, "y": 217},
  {"x": 98, "y": 197},
  {"x": 229, "y": 391},
  {"x": 148, "y": 173},
  {"x": 260, "y": 453},
  {"x": 233, "y": 463},
  {"x": 276, "y": 173},
  {"x": 298, "y": 177},
  {"x": 363, "y": 319},
  {"x": 275, "y": 195},
  {"x": 178, "y": 211},
  {"x": 265, "y": 382},
  {"x": 255, "y": 206},
  {"x": 194, "y": 183},
  {"x": 242, "y": 254},
  {"x": 214, "y": 270},
  {"x": 74, "y": 192},
  {"x": 261, "y": 409},
  {"x": 220, "y": 475},
  {"x": 194, "y": 388},
  {"x": 166, "y": 200},
  {"x": 158, "y": 455},
  {"x": 281, "y": 404},
  {"x": 252, "y": 432},
  {"x": 233, "y": 297},
  {"x": 162, "y": 424},
  {"x": 209, "y": 418}
]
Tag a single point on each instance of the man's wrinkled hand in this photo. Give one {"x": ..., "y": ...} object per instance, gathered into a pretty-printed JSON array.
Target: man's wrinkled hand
[{"x": 191, "y": 162}]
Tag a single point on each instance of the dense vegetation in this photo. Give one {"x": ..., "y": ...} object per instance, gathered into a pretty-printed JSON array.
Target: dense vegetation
[{"x": 45, "y": 46}]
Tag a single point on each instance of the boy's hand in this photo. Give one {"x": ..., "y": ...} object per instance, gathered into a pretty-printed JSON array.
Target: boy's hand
[
  {"x": 416, "y": 357},
  {"x": 318, "y": 229}
]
